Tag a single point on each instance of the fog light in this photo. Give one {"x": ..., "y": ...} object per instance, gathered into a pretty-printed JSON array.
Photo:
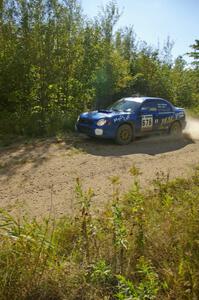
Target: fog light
[{"x": 98, "y": 131}]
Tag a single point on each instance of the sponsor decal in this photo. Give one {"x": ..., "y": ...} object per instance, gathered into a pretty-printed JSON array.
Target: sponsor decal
[
  {"x": 121, "y": 118},
  {"x": 167, "y": 120}
]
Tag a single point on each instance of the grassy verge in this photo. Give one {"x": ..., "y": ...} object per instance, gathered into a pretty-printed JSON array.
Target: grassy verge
[{"x": 143, "y": 246}]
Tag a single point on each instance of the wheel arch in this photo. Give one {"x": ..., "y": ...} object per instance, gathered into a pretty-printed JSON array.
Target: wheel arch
[
  {"x": 176, "y": 121},
  {"x": 179, "y": 132},
  {"x": 130, "y": 123}
]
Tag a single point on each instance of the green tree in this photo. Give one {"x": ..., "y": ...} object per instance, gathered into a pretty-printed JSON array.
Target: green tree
[{"x": 195, "y": 53}]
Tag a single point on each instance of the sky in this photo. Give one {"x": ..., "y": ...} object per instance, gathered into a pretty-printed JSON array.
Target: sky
[{"x": 154, "y": 20}]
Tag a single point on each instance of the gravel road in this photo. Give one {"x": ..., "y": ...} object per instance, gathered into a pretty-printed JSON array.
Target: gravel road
[{"x": 39, "y": 178}]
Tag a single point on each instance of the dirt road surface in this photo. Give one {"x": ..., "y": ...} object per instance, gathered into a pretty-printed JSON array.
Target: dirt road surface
[{"x": 39, "y": 177}]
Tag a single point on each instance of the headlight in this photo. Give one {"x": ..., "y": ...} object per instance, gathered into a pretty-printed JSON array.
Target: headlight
[{"x": 101, "y": 122}]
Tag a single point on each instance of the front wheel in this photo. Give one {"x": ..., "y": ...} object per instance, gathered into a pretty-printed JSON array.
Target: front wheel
[
  {"x": 175, "y": 129},
  {"x": 124, "y": 134}
]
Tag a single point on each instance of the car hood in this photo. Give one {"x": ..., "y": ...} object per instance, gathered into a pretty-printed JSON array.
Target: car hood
[{"x": 103, "y": 113}]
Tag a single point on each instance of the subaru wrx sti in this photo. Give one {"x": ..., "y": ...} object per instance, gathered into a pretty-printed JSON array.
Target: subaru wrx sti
[{"x": 131, "y": 117}]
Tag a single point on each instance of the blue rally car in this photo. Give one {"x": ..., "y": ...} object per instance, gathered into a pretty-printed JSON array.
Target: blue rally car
[{"x": 131, "y": 117}]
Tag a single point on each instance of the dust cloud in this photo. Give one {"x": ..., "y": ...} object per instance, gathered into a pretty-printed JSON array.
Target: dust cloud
[{"x": 192, "y": 128}]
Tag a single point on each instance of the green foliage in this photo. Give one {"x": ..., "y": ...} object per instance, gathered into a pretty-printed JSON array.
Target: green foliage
[
  {"x": 56, "y": 63},
  {"x": 101, "y": 273},
  {"x": 148, "y": 285},
  {"x": 26, "y": 252},
  {"x": 195, "y": 53},
  {"x": 143, "y": 246}
]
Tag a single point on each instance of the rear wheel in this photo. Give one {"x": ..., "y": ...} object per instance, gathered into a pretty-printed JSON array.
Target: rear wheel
[
  {"x": 124, "y": 134},
  {"x": 175, "y": 129}
]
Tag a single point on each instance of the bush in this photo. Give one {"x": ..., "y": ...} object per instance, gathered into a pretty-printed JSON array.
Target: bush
[{"x": 36, "y": 124}]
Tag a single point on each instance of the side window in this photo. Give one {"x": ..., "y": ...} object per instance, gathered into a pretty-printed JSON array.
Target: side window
[
  {"x": 149, "y": 107},
  {"x": 163, "y": 106}
]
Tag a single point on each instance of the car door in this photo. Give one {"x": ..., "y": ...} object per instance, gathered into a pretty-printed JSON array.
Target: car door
[
  {"x": 165, "y": 115},
  {"x": 146, "y": 117}
]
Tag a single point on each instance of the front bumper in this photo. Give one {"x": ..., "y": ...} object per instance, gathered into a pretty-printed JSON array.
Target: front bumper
[{"x": 94, "y": 131}]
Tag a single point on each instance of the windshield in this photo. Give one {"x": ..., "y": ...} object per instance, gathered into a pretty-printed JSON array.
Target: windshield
[{"x": 124, "y": 105}]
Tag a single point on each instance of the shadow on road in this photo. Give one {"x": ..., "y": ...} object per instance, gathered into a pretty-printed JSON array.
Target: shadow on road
[
  {"x": 145, "y": 145},
  {"x": 38, "y": 152},
  {"x": 15, "y": 156}
]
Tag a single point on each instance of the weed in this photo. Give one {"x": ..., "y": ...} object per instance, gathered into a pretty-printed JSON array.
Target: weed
[
  {"x": 145, "y": 286},
  {"x": 145, "y": 245},
  {"x": 86, "y": 219}
]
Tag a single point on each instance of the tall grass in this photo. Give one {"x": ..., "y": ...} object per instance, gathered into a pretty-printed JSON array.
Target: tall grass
[{"x": 145, "y": 245}]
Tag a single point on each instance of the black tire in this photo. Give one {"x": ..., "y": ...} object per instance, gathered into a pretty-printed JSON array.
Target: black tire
[
  {"x": 124, "y": 134},
  {"x": 176, "y": 129}
]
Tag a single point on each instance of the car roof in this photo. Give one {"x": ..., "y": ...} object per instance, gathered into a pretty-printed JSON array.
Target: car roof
[{"x": 142, "y": 99}]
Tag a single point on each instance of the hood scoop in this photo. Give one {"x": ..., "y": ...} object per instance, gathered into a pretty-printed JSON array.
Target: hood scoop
[{"x": 105, "y": 111}]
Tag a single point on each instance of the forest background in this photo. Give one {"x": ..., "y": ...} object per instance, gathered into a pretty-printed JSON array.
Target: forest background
[{"x": 55, "y": 63}]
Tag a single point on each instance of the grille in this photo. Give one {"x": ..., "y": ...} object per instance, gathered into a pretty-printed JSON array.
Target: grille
[
  {"x": 84, "y": 129},
  {"x": 86, "y": 121}
]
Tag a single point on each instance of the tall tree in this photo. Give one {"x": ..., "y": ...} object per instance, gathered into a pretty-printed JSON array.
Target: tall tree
[{"x": 195, "y": 53}]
